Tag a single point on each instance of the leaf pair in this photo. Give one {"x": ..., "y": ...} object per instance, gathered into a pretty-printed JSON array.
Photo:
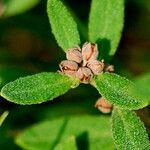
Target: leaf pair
[
  {"x": 105, "y": 25},
  {"x": 47, "y": 86}
]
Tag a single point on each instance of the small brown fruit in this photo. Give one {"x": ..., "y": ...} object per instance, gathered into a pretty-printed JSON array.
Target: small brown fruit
[
  {"x": 74, "y": 54},
  {"x": 104, "y": 110},
  {"x": 96, "y": 66},
  {"x": 69, "y": 67},
  {"x": 103, "y": 105},
  {"x": 84, "y": 74},
  {"x": 89, "y": 52}
]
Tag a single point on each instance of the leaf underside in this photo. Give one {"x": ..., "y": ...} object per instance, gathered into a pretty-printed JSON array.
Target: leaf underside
[
  {"x": 119, "y": 91},
  {"x": 63, "y": 25},
  {"x": 105, "y": 25},
  {"x": 37, "y": 88},
  {"x": 91, "y": 132},
  {"x": 128, "y": 131}
]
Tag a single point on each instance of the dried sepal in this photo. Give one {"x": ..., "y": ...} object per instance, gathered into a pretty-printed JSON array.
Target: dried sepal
[
  {"x": 96, "y": 66},
  {"x": 89, "y": 52},
  {"x": 68, "y": 67},
  {"x": 74, "y": 54},
  {"x": 84, "y": 74}
]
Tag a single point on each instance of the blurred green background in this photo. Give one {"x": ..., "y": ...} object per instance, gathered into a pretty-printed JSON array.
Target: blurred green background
[{"x": 27, "y": 46}]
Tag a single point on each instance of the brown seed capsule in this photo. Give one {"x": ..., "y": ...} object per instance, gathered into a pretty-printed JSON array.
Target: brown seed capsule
[
  {"x": 74, "y": 54},
  {"x": 103, "y": 105},
  {"x": 84, "y": 74},
  {"x": 69, "y": 67},
  {"x": 104, "y": 110},
  {"x": 89, "y": 52},
  {"x": 96, "y": 66},
  {"x": 109, "y": 68}
]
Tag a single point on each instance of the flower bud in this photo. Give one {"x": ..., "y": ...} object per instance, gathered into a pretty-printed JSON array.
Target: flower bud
[
  {"x": 96, "y": 66},
  {"x": 103, "y": 105},
  {"x": 74, "y": 54},
  {"x": 68, "y": 67},
  {"x": 84, "y": 74},
  {"x": 109, "y": 68},
  {"x": 89, "y": 52}
]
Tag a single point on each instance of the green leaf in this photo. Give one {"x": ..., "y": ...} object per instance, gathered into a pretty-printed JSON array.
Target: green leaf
[
  {"x": 3, "y": 117},
  {"x": 91, "y": 132},
  {"x": 14, "y": 7},
  {"x": 143, "y": 83},
  {"x": 38, "y": 88},
  {"x": 119, "y": 91},
  {"x": 129, "y": 132},
  {"x": 106, "y": 24},
  {"x": 63, "y": 25},
  {"x": 67, "y": 144}
]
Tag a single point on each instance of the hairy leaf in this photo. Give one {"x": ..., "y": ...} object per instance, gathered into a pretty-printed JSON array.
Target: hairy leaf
[
  {"x": 143, "y": 83},
  {"x": 119, "y": 91},
  {"x": 67, "y": 144},
  {"x": 63, "y": 25},
  {"x": 38, "y": 88},
  {"x": 14, "y": 7},
  {"x": 129, "y": 132},
  {"x": 91, "y": 132},
  {"x": 106, "y": 24}
]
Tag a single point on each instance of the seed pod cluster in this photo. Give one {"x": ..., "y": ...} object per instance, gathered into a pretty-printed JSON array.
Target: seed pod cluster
[{"x": 83, "y": 63}]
